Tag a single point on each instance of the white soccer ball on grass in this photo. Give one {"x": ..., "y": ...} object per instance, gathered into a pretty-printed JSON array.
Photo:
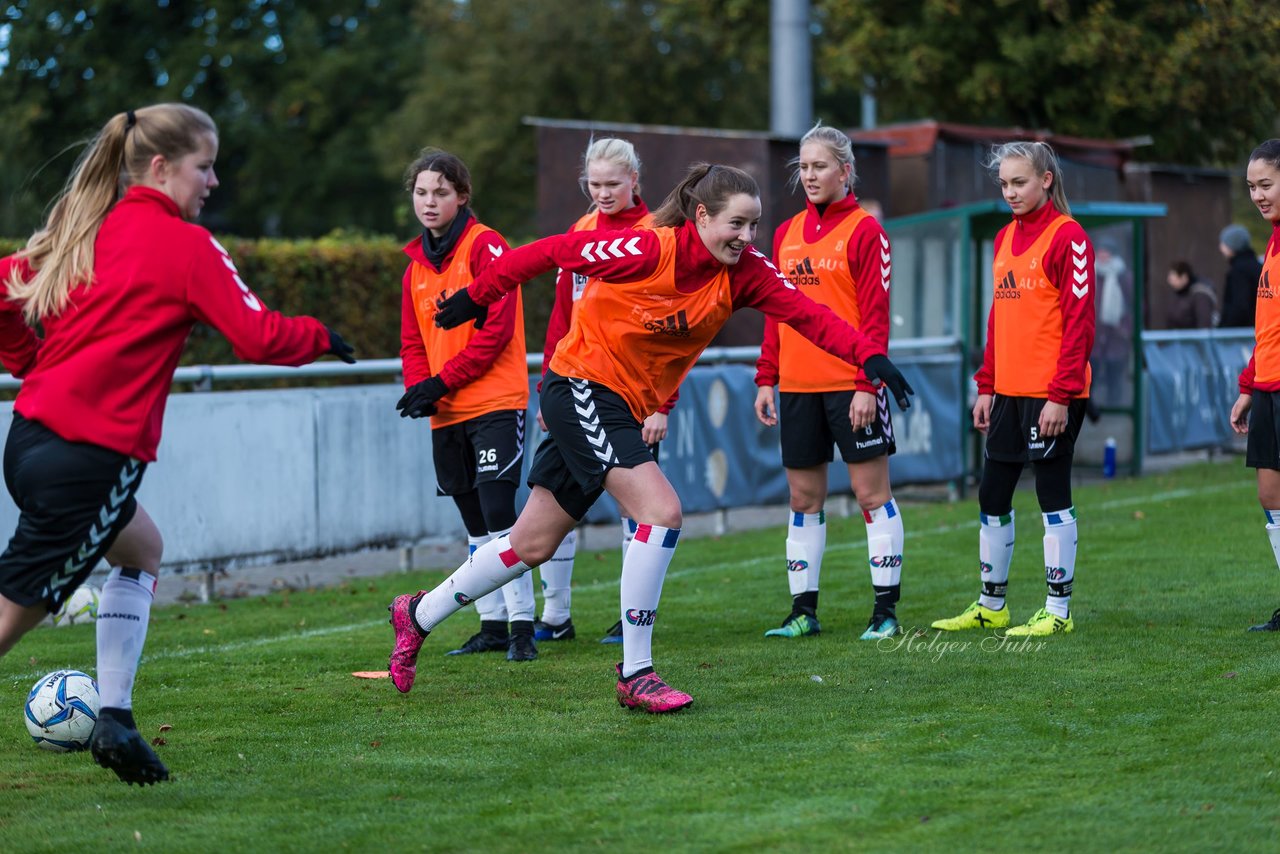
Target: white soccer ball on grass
[{"x": 61, "y": 710}]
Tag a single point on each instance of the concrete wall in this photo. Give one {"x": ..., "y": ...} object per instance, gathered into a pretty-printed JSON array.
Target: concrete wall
[
  {"x": 257, "y": 477},
  {"x": 238, "y": 483}
]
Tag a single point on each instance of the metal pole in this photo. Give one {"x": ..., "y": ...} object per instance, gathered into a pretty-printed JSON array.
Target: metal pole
[
  {"x": 791, "y": 68},
  {"x": 868, "y": 102}
]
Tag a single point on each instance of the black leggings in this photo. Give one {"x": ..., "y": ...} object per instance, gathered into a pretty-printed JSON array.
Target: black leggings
[
  {"x": 491, "y": 506},
  {"x": 1000, "y": 479}
]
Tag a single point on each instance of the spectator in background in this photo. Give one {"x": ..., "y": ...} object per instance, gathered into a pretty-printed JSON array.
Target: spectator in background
[
  {"x": 1194, "y": 304},
  {"x": 1239, "y": 295},
  {"x": 1113, "y": 347},
  {"x": 873, "y": 207}
]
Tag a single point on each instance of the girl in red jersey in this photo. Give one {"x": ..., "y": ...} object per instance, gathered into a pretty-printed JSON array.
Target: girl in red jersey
[
  {"x": 117, "y": 282},
  {"x": 838, "y": 254},
  {"x": 611, "y": 178},
  {"x": 1255, "y": 410},
  {"x": 660, "y": 297},
  {"x": 472, "y": 382},
  {"x": 1033, "y": 386}
]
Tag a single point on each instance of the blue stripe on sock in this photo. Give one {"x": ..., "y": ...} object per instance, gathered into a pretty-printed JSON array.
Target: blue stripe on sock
[
  {"x": 797, "y": 520},
  {"x": 890, "y": 508},
  {"x": 1273, "y": 516},
  {"x": 669, "y": 541}
]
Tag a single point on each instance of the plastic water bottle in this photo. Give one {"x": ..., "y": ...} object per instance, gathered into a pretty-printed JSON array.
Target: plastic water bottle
[{"x": 1109, "y": 458}]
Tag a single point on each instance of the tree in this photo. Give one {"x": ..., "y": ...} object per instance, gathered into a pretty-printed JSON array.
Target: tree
[
  {"x": 1196, "y": 77},
  {"x": 299, "y": 91},
  {"x": 492, "y": 64}
]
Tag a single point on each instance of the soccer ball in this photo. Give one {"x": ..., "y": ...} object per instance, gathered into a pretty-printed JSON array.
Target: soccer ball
[
  {"x": 81, "y": 607},
  {"x": 62, "y": 709}
]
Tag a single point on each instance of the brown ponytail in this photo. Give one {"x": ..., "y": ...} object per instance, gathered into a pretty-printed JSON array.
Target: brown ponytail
[{"x": 706, "y": 185}]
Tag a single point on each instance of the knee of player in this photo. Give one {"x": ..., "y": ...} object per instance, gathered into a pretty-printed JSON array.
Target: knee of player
[
  {"x": 807, "y": 503},
  {"x": 1268, "y": 496},
  {"x": 668, "y": 515},
  {"x": 154, "y": 555},
  {"x": 536, "y": 553}
]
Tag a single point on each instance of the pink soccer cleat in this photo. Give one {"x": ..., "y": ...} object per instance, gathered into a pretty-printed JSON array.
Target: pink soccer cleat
[
  {"x": 409, "y": 638},
  {"x": 646, "y": 691}
]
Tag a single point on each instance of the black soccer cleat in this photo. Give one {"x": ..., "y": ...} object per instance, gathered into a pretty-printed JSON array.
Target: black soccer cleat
[
  {"x": 117, "y": 744},
  {"x": 1272, "y": 625},
  {"x": 522, "y": 647},
  {"x": 482, "y": 642}
]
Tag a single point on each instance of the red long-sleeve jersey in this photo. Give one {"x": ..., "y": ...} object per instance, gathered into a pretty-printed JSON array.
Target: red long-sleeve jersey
[
  {"x": 1075, "y": 299},
  {"x": 474, "y": 360},
  {"x": 628, "y": 256},
  {"x": 868, "y": 264},
  {"x": 103, "y": 371}
]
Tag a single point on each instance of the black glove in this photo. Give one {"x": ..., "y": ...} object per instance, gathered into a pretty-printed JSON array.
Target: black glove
[
  {"x": 341, "y": 348},
  {"x": 458, "y": 309},
  {"x": 420, "y": 399},
  {"x": 880, "y": 369}
]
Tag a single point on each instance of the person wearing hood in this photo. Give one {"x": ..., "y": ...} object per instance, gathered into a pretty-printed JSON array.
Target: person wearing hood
[
  {"x": 1239, "y": 294},
  {"x": 1194, "y": 305}
]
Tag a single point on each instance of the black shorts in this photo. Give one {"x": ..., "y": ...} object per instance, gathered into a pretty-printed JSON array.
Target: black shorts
[
  {"x": 813, "y": 423},
  {"x": 1014, "y": 433},
  {"x": 73, "y": 499},
  {"x": 590, "y": 430},
  {"x": 483, "y": 449},
  {"x": 1262, "y": 451}
]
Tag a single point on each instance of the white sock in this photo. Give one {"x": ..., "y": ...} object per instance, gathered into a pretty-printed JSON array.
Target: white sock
[
  {"x": 995, "y": 553},
  {"x": 885, "y": 536},
  {"x": 557, "y": 575},
  {"x": 124, "y": 609},
  {"x": 491, "y": 606},
  {"x": 1059, "y": 559},
  {"x": 806, "y": 541},
  {"x": 643, "y": 570},
  {"x": 493, "y": 565},
  {"x": 628, "y": 534},
  {"x": 518, "y": 593},
  {"x": 1273, "y": 532}
]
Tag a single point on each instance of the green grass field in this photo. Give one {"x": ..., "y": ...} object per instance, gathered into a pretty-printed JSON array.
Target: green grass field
[{"x": 1150, "y": 727}]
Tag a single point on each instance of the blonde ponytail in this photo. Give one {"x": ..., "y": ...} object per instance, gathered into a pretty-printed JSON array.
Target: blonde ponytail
[{"x": 61, "y": 253}]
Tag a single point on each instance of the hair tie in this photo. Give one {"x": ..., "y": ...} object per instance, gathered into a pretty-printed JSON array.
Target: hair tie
[{"x": 130, "y": 119}]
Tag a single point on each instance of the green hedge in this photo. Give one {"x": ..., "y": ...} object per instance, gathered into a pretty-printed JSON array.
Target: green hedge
[{"x": 350, "y": 283}]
